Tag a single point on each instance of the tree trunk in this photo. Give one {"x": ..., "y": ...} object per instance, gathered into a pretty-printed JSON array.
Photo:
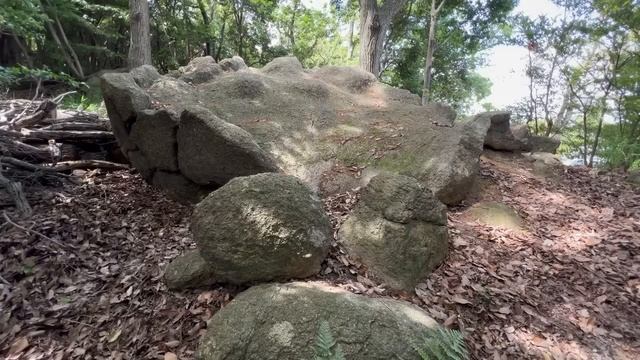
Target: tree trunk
[
  {"x": 207, "y": 24},
  {"x": 374, "y": 24},
  {"x": 351, "y": 45},
  {"x": 585, "y": 149},
  {"x": 431, "y": 43},
  {"x": 140, "y": 40}
]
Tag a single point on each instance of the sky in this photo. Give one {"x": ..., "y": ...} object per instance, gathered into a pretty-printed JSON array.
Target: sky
[{"x": 506, "y": 64}]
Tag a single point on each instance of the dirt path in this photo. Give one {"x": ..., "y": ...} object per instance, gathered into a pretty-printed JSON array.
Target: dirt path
[{"x": 565, "y": 287}]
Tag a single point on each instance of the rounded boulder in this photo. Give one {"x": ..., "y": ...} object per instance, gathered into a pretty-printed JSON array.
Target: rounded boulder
[
  {"x": 262, "y": 227},
  {"x": 284, "y": 321}
]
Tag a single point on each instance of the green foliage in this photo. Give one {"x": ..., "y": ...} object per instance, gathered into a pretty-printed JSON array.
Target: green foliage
[
  {"x": 15, "y": 75},
  {"x": 442, "y": 344},
  {"x": 465, "y": 29},
  {"x": 84, "y": 102},
  {"x": 326, "y": 347},
  {"x": 21, "y": 17}
]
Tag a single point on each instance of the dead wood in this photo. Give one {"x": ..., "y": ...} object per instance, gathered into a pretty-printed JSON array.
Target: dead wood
[
  {"x": 63, "y": 135},
  {"x": 44, "y": 110},
  {"x": 87, "y": 164}
]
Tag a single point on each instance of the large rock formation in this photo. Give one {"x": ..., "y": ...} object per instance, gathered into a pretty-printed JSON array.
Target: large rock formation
[
  {"x": 398, "y": 229},
  {"x": 502, "y": 136},
  {"x": 217, "y": 121},
  {"x": 255, "y": 228},
  {"x": 274, "y": 322},
  {"x": 499, "y": 136}
]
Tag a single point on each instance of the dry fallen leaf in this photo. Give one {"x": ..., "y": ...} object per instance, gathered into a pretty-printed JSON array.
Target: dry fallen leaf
[
  {"x": 18, "y": 345},
  {"x": 460, "y": 300},
  {"x": 170, "y": 356}
]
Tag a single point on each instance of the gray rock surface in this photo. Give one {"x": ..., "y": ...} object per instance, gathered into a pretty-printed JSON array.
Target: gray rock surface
[
  {"x": 212, "y": 152},
  {"x": 123, "y": 98},
  {"x": 280, "y": 321},
  {"x": 499, "y": 136},
  {"x": 145, "y": 75},
  {"x": 200, "y": 70},
  {"x": 234, "y": 63},
  {"x": 398, "y": 230},
  {"x": 544, "y": 144},
  {"x": 188, "y": 270},
  {"x": 262, "y": 227},
  {"x": 302, "y": 122}
]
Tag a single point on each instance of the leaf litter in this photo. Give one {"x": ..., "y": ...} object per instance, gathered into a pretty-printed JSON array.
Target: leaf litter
[{"x": 568, "y": 287}]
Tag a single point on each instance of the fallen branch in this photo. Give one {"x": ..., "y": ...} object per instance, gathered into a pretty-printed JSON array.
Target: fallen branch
[
  {"x": 21, "y": 150},
  {"x": 44, "y": 110},
  {"x": 67, "y": 135},
  {"x": 11, "y": 222},
  {"x": 86, "y": 164},
  {"x": 77, "y": 126}
]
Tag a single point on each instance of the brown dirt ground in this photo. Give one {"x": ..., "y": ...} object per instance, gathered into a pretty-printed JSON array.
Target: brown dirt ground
[{"x": 82, "y": 279}]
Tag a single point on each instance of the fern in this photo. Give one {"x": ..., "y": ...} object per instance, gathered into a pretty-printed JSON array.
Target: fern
[
  {"x": 442, "y": 344},
  {"x": 326, "y": 347}
]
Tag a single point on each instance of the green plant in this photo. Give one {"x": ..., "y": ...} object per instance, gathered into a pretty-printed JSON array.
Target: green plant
[
  {"x": 442, "y": 344},
  {"x": 326, "y": 347},
  {"x": 14, "y": 75}
]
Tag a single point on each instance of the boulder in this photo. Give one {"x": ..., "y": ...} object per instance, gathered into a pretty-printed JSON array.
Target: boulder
[
  {"x": 145, "y": 75},
  {"x": 123, "y": 98},
  {"x": 301, "y": 122},
  {"x": 188, "y": 270},
  {"x": 233, "y": 64},
  {"x": 281, "y": 321},
  {"x": 212, "y": 151},
  {"x": 499, "y": 136},
  {"x": 398, "y": 230},
  {"x": 283, "y": 66},
  {"x": 544, "y": 164},
  {"x": 542, "y": 144},
  {"x": 200, "y": 70},
  {"x": 154, "y": 134},
  {"x": 262, "y": 227},
  {"x": 452, "y": 174},
  {"x": 521, "y": 132},
  {"x": 633, "y": 178}
]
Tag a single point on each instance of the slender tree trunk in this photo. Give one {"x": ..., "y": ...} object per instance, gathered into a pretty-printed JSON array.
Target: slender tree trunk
[
  {"x": 74, "y": 56},
  {"x": 140, "y": 39},
  {"x": 533, "y": 113},
  {"x": 351, "y": 45},
  {"x": 431, "y": 43},
  {"x": 23, "y": 49},
  {"x": 596, "y": 139},
  {"x": 547, "y": 114},
  {"x": 221, "y": 40},
  {"x": 585, "y": 149},
  {"x": 292, "y": 25},
  {"x": 207, "y": 23},
  {"x": 77, "y": 72}
]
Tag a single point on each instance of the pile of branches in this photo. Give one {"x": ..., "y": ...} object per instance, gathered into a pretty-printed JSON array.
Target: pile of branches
[{"x": 41, "y": 144}]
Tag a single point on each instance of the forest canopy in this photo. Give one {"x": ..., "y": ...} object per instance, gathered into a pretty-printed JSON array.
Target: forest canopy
[{"x": 582, "y": 69}]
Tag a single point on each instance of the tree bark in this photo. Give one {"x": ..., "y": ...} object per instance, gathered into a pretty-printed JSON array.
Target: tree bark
[
  {"x": 431, "y": 43},
  {"x": 374, "y": 23},
  {"x": 207, "y": 23},
  {"x": 140, "y": 38}
]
